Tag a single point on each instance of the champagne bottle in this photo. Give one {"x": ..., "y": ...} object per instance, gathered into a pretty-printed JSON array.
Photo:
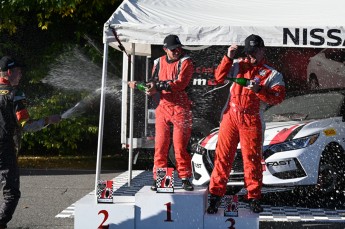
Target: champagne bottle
[
  {"x": 141, "y": 86},
  {"x": 241, "y": 81}
]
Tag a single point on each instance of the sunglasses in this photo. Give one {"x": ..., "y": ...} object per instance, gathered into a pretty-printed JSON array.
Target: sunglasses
[
  {"x": 178, "y": 49},
  {"x": 253, "y": 52}
]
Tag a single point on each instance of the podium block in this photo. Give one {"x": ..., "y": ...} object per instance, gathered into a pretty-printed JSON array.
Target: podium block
[
  {"x": 245, "y": 220},
  {"x": 181, "y": 209},
  {"x": 120, "y": 214}
]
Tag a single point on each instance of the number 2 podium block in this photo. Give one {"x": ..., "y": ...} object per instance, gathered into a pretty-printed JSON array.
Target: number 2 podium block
[
  {"x": 120, "y": 214},
  {"x": 181, "y": 209}
]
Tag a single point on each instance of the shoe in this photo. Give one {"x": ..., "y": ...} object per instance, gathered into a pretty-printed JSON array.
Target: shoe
[
  {"x": 255, "y": 206},
  {"x": 186, "y": 185},
  {"x": 154, "y": 186},
  {"x": 215, "y": 202}
]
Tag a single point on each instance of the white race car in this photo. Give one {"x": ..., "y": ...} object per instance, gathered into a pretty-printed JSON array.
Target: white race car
[{"x": 303, "y": 146}]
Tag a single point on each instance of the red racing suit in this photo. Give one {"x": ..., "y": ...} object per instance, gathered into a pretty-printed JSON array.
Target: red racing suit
[
  {"x": 174, "y": 109},
  {"x": 242, "y": 123}
]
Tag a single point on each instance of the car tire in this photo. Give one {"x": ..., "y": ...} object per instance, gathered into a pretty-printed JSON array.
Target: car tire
[{"x": 331, "y": 170}]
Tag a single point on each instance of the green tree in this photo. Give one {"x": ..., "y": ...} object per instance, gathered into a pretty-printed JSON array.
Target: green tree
[
  {"x": 14, "y": 13},
  {"x": 35, "y": 32}
]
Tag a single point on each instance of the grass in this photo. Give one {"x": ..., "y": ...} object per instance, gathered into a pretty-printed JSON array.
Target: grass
[{"x": 108, "y": 162}]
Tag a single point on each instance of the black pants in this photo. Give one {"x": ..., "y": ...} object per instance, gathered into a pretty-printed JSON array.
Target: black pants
[{"x": 9, "y": 178}]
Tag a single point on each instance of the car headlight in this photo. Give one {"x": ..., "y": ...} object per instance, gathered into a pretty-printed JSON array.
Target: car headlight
[{"x": 293, "y": 144}]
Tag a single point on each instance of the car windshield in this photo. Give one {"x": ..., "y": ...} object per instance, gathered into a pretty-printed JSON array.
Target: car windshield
[{"x": 306, "y": 107}]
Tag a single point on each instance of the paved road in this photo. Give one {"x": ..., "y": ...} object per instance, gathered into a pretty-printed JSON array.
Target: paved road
[{"x": 45, "y": 193}]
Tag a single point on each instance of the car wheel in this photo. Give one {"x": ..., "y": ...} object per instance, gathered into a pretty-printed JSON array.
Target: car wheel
[
  {"x": 327, "y": 179},
  {"x": 313, "y": 83},
  {"x": 331, "y": 170}
]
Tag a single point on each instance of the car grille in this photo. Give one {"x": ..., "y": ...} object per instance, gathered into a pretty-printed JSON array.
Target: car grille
[
  {"x": 236, "y": 175},
  {"x": 238, "y": 162},
  {"x": 237, "y": 166},
  {"x": 237, "y": 171}
]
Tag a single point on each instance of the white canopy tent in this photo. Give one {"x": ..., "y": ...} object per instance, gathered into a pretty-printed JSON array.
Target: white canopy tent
[
  {"x": 219, "y": 22},
  {"x": 138, "y": 24}
]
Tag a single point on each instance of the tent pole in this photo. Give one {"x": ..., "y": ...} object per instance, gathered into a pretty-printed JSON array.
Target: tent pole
[
  {"x": 131, "y": 117},
  {"x": 124, "y": 101},
  {"x": 101, "y": 117},
  {"x": 146, "y": 96}
]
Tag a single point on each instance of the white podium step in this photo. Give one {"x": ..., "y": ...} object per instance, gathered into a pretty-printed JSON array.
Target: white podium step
[
  {"x": 181, "y": 209},
  {"x": 117, "y": 215},
  {"x": 147, "y": 209},
  {"x": 124, "y": 212},
  {"x": 245, "y": 220}
]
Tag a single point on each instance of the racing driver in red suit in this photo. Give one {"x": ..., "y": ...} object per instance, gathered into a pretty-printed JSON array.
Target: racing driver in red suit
[
  {"x": 171, "y": 75},
  {"x": 242, "y": 120}
]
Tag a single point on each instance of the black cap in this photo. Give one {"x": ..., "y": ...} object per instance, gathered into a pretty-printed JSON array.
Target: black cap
[
  {"x": 8, "y": 62},
  {"x": 172, "y": 42},
  {"x": 252, "y": 42}
]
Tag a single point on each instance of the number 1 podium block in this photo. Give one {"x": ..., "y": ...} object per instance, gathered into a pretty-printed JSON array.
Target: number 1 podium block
[
  {"x": 181, "y": 209},
  {"x": 117, "y": 215}
]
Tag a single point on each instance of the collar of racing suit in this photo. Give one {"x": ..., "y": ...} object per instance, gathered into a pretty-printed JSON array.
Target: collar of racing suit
[{"x": 172, "y": 61}]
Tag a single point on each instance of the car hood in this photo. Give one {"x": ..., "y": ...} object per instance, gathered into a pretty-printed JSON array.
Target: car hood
[{"x": 277, "y": 132}]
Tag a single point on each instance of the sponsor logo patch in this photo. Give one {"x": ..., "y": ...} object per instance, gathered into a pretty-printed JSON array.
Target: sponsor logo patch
[{"x": 330, "y": 132}]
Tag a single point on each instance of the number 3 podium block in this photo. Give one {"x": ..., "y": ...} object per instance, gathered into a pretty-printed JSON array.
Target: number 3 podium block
[
  {"x": 181, "y": 209},
  {"x": 245, "y": 220}
]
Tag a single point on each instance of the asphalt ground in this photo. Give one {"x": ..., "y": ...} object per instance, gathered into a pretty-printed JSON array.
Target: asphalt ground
[{"x": 47, "y": 192}]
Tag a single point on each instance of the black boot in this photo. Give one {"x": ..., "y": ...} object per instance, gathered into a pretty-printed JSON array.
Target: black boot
[
  {"x": 255, "y": 206},
  {"x": 215, "y": 202},
  {"x": 154, "y": 185},
  {"x": 186, "y": 185}
]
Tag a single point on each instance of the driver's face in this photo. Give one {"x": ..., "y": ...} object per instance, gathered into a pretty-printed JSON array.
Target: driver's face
[
  {"x": 256, "y": 56},
  {"x": 173, "y": 54}
]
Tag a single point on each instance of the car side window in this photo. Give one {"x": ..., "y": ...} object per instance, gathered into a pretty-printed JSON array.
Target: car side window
[
  {"x": 342, "y": 54},
  {"x": 335, "y": 54}
]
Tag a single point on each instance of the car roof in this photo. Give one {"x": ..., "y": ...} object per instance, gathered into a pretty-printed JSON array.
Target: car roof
[
  {"x": 318, "y": 91},
  {"x": 316, "y": 104}
]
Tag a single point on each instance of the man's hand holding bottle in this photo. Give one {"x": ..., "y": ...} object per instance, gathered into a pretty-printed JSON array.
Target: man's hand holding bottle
[
  {"x": 132, "y": 84},
  {"x": 139, "y": 86},
  {"x": 149, "y": 88},
  {"x": 254, "y": 85}
]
